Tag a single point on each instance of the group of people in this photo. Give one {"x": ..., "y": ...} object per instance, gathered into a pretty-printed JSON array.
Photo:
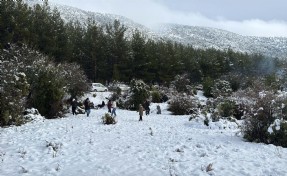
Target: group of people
[
  {"x": 145, "y": 107},
  {"x": 112, "y": 106}
]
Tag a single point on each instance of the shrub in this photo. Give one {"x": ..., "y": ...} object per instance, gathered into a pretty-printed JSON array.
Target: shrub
[
  {"x": 255, "y": 127},
  {"x": 182, "y": 105},
  {"x": 221, "y": 88},
  {"x": 272, "y": 82},
  {"x": 156, "y": 98},
  {"x": 38, "y": 83},
  {"x": 181, "y": 82},
  {"x": 215, "y": 116},
  {"x": 48, "y": 93},
  {"x": 118, "y": 91},
  {"x": 207, "y": 86},
  {"x": 278, "y": 133},
  {"x": 258, "y": 124},
  {"x": 108, "y": 119},
  {"x": 75, "y": 80},
  {"x": 139, "y": 92},
  {"x": 226, "y": 108}
]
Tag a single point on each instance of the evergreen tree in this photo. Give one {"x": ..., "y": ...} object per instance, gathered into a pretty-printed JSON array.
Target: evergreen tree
[
  {"x": 95, "y": 51},
  {"x": 14, "y": 22},
  {"x": 117, "y": 51},
  {"x": 139, "y": 62}
]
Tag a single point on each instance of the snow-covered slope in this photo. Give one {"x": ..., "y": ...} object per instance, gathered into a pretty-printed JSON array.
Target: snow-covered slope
[
  {"x": 160, "y": 145},
  {"x": 204, "y": 37},
  {"x": 199, "y": 37},
  {"x": 69, "y": 13}
]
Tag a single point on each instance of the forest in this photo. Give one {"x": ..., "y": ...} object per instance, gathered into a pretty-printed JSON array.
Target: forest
[{"x": 106, "y": 54}]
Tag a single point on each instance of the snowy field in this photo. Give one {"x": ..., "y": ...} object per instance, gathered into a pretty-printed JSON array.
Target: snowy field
[{"x": 160, "y": 145}]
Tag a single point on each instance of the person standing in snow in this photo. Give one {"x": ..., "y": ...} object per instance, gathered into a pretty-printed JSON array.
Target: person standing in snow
[
  {"x": 158, "y": 109},
  {"x": 114, "y": 108},
  {"x": 74, "y": 106},
  {"x": 109, "y": 106},
  {"x": 141, "y": 109},
  {"x": 146, "y": 107},
  {"x": 87, "y": 106}
]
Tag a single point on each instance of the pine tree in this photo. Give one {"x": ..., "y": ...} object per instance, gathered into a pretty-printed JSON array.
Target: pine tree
[{"x": 117, "y": 50}]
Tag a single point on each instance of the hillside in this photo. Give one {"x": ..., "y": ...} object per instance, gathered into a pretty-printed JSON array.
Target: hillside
[
  {"x": 199, "y": 37},
  {"x": 160, "y": 145}
]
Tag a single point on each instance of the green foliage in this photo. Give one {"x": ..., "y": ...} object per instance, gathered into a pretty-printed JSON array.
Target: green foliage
[
  {"x": 104, "y": 53},
  {"x": 221, "y": 88},
  {"x": 74, "y": 79},
  {"x": 118, "y": 91},
  {"x": 31, "y": 80},
  {"x": 182, "y": 105},
  {"x": 14, "y": 87},
  {"x": 140, "y": 92},
  {"x": 117, "y": 50},
  {"x": 279, "y": 137},
  {"x": 181, "y": 82},
  {"x": 226, "y": 108},
  {"x": 259, "y": 123},
  {"x": 156, "y": 97},
  {"x": 48, "y": 93},
  {"x": 207, "y": 86},
  {"x": 255, "y": 128},
  {"x": 272, "y": 82},
  {"x": 107, "y": 119}
]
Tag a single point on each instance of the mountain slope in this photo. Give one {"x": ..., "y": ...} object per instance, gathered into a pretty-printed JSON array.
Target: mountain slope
[
  {"x": 199, "y": 37},
  {"x": 204, "y": 37}
]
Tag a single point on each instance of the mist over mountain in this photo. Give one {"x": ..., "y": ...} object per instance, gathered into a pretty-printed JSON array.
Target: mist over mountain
[{"x": 198, "y": 37}]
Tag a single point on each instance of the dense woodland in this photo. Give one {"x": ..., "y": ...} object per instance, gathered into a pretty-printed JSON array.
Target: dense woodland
[{"x": 106, "y": 54}]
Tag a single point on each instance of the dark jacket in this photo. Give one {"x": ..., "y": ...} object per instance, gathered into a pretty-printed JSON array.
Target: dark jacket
[
  {"x": 146, "y": 105},
  {"x": 74, "y": 104},
  {"x": 87, "y": 104}
]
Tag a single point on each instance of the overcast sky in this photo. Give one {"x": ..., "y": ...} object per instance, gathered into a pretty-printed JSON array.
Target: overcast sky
[{"x": 245, "y": 17}]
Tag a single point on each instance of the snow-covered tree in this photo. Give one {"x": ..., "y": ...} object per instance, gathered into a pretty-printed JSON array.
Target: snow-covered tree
[
  {"x": 140, "y": 92},
  {"x": 30, "y": 79},
  {"x": 13, "y": 88}
]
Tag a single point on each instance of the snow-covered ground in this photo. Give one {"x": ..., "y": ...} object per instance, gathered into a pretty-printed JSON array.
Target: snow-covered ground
[{"x": 160, "y": 145}]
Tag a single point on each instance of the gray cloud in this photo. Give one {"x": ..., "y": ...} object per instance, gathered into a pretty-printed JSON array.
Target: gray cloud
[{"x": 245, "y": 17}]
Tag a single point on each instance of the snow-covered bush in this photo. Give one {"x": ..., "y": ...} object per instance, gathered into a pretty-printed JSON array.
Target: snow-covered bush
[
  {"x": 48, "y": 92},
  {"x": 221, "y": 88},
  {"x": 278, "y": 133},
  {"x": 182, "y": 83},
  {"x": 32, "y": 115},
  {"x": 222, "y": 108},
  {"x": 108, "y": 119},
  {"x": 259, "y": 121},
  {"x": 226, "y": 108},
  {"x": 75, "y": 80},
  {"x": 139, "y": 93},
  {"x": 235, "y": 80},
  {"x": 183, "y": 105}
]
